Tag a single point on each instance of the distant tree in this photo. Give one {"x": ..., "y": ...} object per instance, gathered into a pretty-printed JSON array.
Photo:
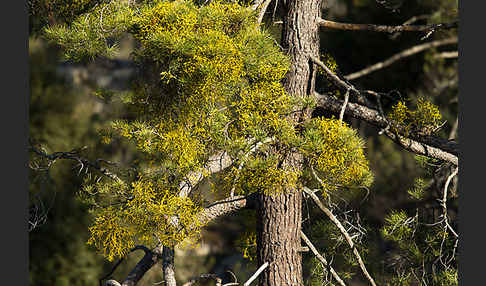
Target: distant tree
[{"x": 218, "y": 100}]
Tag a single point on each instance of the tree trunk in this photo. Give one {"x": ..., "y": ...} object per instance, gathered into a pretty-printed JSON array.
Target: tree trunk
[{"x": 280, "y": 215}]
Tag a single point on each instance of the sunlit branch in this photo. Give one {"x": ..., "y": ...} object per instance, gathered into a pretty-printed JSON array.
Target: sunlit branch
[{"x": 216, "y": 163}]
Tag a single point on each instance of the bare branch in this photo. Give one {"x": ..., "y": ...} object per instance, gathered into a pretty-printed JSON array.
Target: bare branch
[
  {"x": 408, "y": 22},
  {"x": 422, "y": 148},
  {"x": 343, "y": 232},
  {"x": 321, "y": 258},
  {"x": 426, "y": 145},
  {"x": 346, "y": 99},
  {"x": 334, "y": 78},
  {"x": 386, "y": 28},
  {"x": 228, "y": 205},
  {"x": 74, "y": 155},
  {"x": 447, "y": 55},
  {"x": 255, "y": 275},
  {"x": 406, "y": 53}
]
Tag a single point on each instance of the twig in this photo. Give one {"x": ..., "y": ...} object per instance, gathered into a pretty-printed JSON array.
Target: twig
[
  {"x": 408, "y": 22},
  {"x": 386, "y": 28},
  {"x": 444, "y": 202},
  {"x": 255, "y": 275},
  {"x": 73, "y": 155},
  {"x": 346, "y": 98},
  {"x": 343, "y": 232},
  {"x": 334, "y": 78},
  {"x": 321, "y": 258},
  {"x": 401, "y": 55}
]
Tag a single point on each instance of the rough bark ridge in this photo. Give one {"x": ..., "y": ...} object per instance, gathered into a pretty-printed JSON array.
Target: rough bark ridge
[{"x": 280, "y": 214}]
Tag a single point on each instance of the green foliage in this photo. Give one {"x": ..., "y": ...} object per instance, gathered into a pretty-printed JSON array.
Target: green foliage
[
  {"x": 422, "y": 247},
  {"x": 90, "y": 34},
  {"x": 426, "y": 119},
  {"x": 417, "y": 192}
]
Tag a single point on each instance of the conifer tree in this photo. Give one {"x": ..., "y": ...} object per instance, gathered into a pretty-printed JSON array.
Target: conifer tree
[{"x": 218, "y": 99}]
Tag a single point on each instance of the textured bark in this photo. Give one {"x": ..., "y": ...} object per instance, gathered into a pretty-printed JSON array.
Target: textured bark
[
  {"x": 278, "y": 234},
  {"x": 168, "y": 266}
]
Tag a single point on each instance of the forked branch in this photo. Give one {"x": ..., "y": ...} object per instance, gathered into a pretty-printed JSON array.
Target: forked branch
[{"x": 343, "y": 232}]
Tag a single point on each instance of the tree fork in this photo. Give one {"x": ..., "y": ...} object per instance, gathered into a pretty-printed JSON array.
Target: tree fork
[{"x": 278, "y": 234}]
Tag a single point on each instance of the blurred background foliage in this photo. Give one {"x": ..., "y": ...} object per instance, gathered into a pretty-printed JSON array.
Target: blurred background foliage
[{"x": 65, "y": 115}]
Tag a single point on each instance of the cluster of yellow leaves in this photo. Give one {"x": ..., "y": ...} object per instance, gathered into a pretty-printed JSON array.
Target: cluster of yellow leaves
[
  {"x": 336, "y": 154},
  {"x": 262, "y": 175},
  {"x": 424, "y": 120},
  {"x": 152, "y": 211}
]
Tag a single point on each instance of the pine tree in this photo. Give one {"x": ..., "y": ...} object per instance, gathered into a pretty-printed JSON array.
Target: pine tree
[{"x": 218, "y": 99}]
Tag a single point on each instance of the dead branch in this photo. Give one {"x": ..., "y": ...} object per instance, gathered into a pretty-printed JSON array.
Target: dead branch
[
  {"x": 343, "y": 232},
  {"x": 321, "y": 258},
  {"x": 406, "y": 53},
  {"x": 386, "y": 28}
]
